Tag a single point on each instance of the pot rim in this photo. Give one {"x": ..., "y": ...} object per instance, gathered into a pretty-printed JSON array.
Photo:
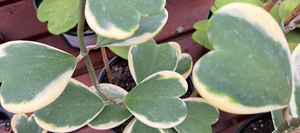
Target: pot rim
[{"x": 252, "y": 119}]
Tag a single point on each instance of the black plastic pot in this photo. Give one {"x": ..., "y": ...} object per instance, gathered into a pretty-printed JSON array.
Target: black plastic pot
[
  {"x": 70, "y": 37},
  {"x": 116, "y": 59},
  {"x": 5, "y": 118},
  {"x": 251, "y": 120},
  {"x": 209, "y": 14}
]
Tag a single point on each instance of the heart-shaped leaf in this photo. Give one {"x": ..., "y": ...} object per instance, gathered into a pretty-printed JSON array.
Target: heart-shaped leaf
[
  {"x": 20, "y": 123},
  {"x": 295, "y": 102},
  {"x": 148, "y": 58},
  {"x": 200, "y": 36},
  {"x": 119, "y": 19},
  {"x": 185, "y": 65},
  {"x": 277, "y": 118},
  {"x": 200, "y": 117},
  {"x": 219, "y": 3},
  {"x": 135, "y": 126},
  {"x": 74, "y": 108},
  {"x": 32, "y": 74},
  {"x": 185, "y": 61},
  {"x": 250, "y": 69},
  {"x": 213, "y": 8},
  {"x": 155, "y": 101},
  {"x": 112, "y": 115},
  {"x": 149, "y": 27},
  {"x": 62, "y": 15}
]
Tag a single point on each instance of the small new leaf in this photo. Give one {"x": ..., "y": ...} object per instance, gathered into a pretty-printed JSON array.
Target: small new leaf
[
  {"x": 20, "y": 123},
  {"x": 62, "y": 15},
  {"x": 200, "y": 36}
]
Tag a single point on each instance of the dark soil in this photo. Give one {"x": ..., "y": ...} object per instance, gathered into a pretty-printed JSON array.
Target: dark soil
[
  {"x": 121, "y": 76},
  {"x": 5, "y": 125},
  {"x": 262, "y": 125}
]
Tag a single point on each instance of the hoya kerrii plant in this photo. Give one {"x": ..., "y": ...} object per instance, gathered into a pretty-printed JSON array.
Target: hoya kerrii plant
[
  {"x": 250, "y": 68},
  {"x": 36, "y": 77},
  {"x": 283, "y": 11},
  {"x": 148, "y": 63}
]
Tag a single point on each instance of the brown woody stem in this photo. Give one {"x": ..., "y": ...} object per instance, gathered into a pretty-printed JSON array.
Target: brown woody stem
[
  {"x": 105, "y": 60},
  {"x": 270, "y": 5},
  {"x": 292, "y": 15},
  {"x": 194, "y": 94},
  {"x": 293, "y": 24},
  {"x": 263, "y": 1}
]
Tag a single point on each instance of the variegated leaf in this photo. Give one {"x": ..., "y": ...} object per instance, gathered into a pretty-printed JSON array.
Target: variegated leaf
[
  {"x": 112, "y": 115},
  {"x": 200, "y": 117},
  {"x": 74, "y": 108},
  {"x": 149, "y": 27},
  {"x": 135, "y": 126},
  {"x": 119, "y": 19},
  {"x": 250, "y": 69},
  {"x": 295, "y": 102},
  {"x": 32, "y": 74},
  {"x": 219, "y": 3},
  {"x": 148, "y": 58},
  {"x": 20, "y": 123},
  {"x": 185, "y": 61},
  {"x": 277, "y": 118},
  {"x": 155, "y": 101}
]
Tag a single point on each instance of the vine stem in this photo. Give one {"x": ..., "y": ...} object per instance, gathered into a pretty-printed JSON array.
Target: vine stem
[
  {"x": 90, "y": 47},
  {"x": 285, "y": 113},
  {"x": 84, "y": 51}
]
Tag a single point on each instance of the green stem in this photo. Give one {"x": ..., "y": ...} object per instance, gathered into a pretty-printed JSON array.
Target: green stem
[{"x": 86, "y": 57}]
